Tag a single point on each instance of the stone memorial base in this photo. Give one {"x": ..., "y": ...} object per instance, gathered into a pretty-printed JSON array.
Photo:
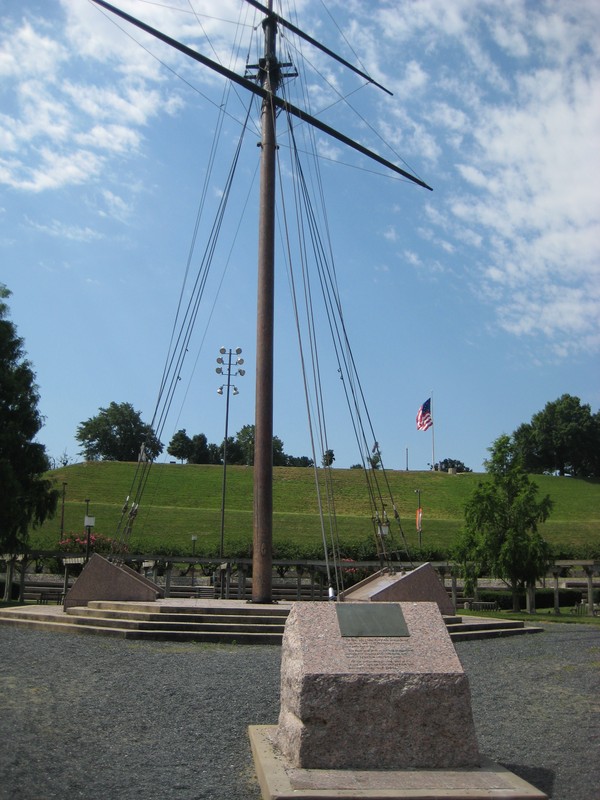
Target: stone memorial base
[
  {"x": 100, "y": 579},
  {"x": 420, "y": 584},
  {"x": 375, "y": 704},
  {"x": 374, "y": 697},
  {"x": 279, "y": 781}
]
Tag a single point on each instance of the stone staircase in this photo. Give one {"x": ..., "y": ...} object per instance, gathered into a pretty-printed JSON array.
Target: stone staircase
[
  {"x": 463, "y": 629},
  {"x": 213, "y": 621}
]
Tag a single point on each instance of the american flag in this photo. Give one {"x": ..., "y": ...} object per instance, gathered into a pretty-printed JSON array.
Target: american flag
[{"x": 424, "y": 420}]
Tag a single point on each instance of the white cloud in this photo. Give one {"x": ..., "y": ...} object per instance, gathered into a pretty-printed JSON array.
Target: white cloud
[
  {"x": 525, "y": 142},
  {"x": 115, "y": 138},
  {"x": 55, "y": 129},
  {"x": 58, "y": 229},
  {"x": 116, "y": 206},
  {"x": 25, "y": 53},
  {"x": 53, "y": 171}
]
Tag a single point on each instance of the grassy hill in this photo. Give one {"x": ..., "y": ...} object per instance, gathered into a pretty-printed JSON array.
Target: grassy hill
[{"x": 185, "y": 500}]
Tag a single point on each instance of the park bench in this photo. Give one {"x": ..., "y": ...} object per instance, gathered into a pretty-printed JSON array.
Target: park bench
[
  {"x": 191, "y": 591},
  {"x": 481, "y": 605},
  {"x": 51, "y": 596},
  {"x": 43, "y": 593}
]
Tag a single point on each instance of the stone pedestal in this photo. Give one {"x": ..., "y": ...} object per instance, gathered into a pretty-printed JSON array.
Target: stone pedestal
[
  {"x": 102, "y": 580},
  {"x": 373, "y": 702},
  {"x": 420, "y": 584}
]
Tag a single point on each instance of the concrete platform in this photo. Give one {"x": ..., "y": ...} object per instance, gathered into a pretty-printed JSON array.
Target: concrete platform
[
  {"x": 92, "y": 620},
  {"x": 281, "y": 782}
]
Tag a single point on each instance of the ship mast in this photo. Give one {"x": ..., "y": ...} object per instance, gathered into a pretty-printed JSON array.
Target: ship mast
[
  {"x": 269, "y": 79},
  {"x": 262, "y": 558}
]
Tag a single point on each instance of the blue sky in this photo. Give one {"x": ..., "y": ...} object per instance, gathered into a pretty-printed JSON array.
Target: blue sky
[{"x": 484, "y": 293}]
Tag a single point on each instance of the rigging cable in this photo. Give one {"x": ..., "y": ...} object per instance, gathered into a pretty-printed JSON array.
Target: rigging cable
[
  {"x": 337, "y": 326},
  {"x": 178, "y": 346}
]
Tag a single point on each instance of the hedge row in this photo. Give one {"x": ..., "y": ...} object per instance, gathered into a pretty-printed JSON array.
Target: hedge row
[{"x": 544, "y": 598}]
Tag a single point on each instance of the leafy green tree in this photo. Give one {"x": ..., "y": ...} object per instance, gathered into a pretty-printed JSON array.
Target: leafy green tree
[
  {"x": 117, "y": 433},
  {"x": 244, "y": 439},
  {"x": 27, "y": 497},
  {"x": 328, "y": 458},
  {"x": 563, "y": 438},
  {"x": 214, "y": 454},
  {"x": 279, "y": 457},
  {"x": 240, "y": 450},
  {"x": 451, "y": 463},
  {"x": 299, "y": 461},
  {"x": 180, "y": 445},
  {"x": 501, "y": 523},
  {"x": 199, "y": 450}
]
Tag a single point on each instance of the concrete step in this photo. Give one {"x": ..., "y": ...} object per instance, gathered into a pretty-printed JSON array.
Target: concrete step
[
  {"x": 187, "y": 617},
  {"x": 491, "y": 633},
  {"x": 226, "y": 622},
  {"x": 127, "y": 623},
  {"x": 215, "y": 636},
  {"x": 214, "y": 609},
  {"x": 488, "y": 624}
]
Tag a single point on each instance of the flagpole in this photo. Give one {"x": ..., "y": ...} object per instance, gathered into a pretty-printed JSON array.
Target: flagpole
[{"x": 432, "y": 434}]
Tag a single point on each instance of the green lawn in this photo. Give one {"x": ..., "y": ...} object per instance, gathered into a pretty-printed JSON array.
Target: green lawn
[
  {"x": 185, "y": 500},
  {"x": 542, "y": 615}
]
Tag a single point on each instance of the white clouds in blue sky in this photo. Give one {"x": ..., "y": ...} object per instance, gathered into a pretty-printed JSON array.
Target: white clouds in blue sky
[{"x": 486, "y": 292}]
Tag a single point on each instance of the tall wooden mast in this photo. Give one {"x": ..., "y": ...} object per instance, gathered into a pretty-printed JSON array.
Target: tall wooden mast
[
  {"x": 266, "y": 88},
  {"x": 262, "y": 558}
]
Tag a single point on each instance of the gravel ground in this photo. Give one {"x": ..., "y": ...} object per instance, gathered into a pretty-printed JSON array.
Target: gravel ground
[{"x": 94, "y": 718}]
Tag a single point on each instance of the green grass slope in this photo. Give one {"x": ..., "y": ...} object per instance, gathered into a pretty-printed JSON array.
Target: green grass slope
[{"x": 185, "y": 500}]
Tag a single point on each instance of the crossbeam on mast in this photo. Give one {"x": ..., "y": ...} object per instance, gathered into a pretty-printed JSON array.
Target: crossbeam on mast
[{"x": 262, "y": 92}]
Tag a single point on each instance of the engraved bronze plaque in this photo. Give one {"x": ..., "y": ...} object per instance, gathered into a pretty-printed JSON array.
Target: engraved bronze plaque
[{"x": 371, "y": 619}]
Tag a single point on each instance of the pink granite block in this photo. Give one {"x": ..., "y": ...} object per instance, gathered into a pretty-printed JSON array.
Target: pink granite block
[
  {"x": 420, "y": 584},
  {"x": 373, "y": 702},
  {"x": 100, "y": 579}
]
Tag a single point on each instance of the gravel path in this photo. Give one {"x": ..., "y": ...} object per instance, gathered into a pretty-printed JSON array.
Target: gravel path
[{"x": 100, "y": 719}]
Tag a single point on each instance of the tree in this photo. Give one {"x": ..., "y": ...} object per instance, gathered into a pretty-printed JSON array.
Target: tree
[
  {"x": 501, "y": 523},
  {"x": 563, "y": 438},
  {"x": 27, "y": 498},
  {"x": 117, "y": 433},
  {"x": 451, "y": 463},
  {"x": 180, "y": 445},
  {"x": 299, "y": 461},
  {"x": 245, "y": 441},
  {"x": 240, "y": 450},
  {"x": 374, "y": 461},
  {"x": 328, "y": 458},
  {"x": 199, "y": 450}
]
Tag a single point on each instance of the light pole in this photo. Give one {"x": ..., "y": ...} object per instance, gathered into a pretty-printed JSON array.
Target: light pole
[
  {"x": 89, "y": 523},
  {"x": 62, "y": 511},
  {"x": 194, "y": 539},
  {"x": 227, "y": 367},
  {"x": 419, "y": 515}
]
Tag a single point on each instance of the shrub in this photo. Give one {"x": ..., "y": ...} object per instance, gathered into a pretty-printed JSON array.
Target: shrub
[
  {"x": 77, "y": 543},
  {"x": 544, "y": 598}
]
